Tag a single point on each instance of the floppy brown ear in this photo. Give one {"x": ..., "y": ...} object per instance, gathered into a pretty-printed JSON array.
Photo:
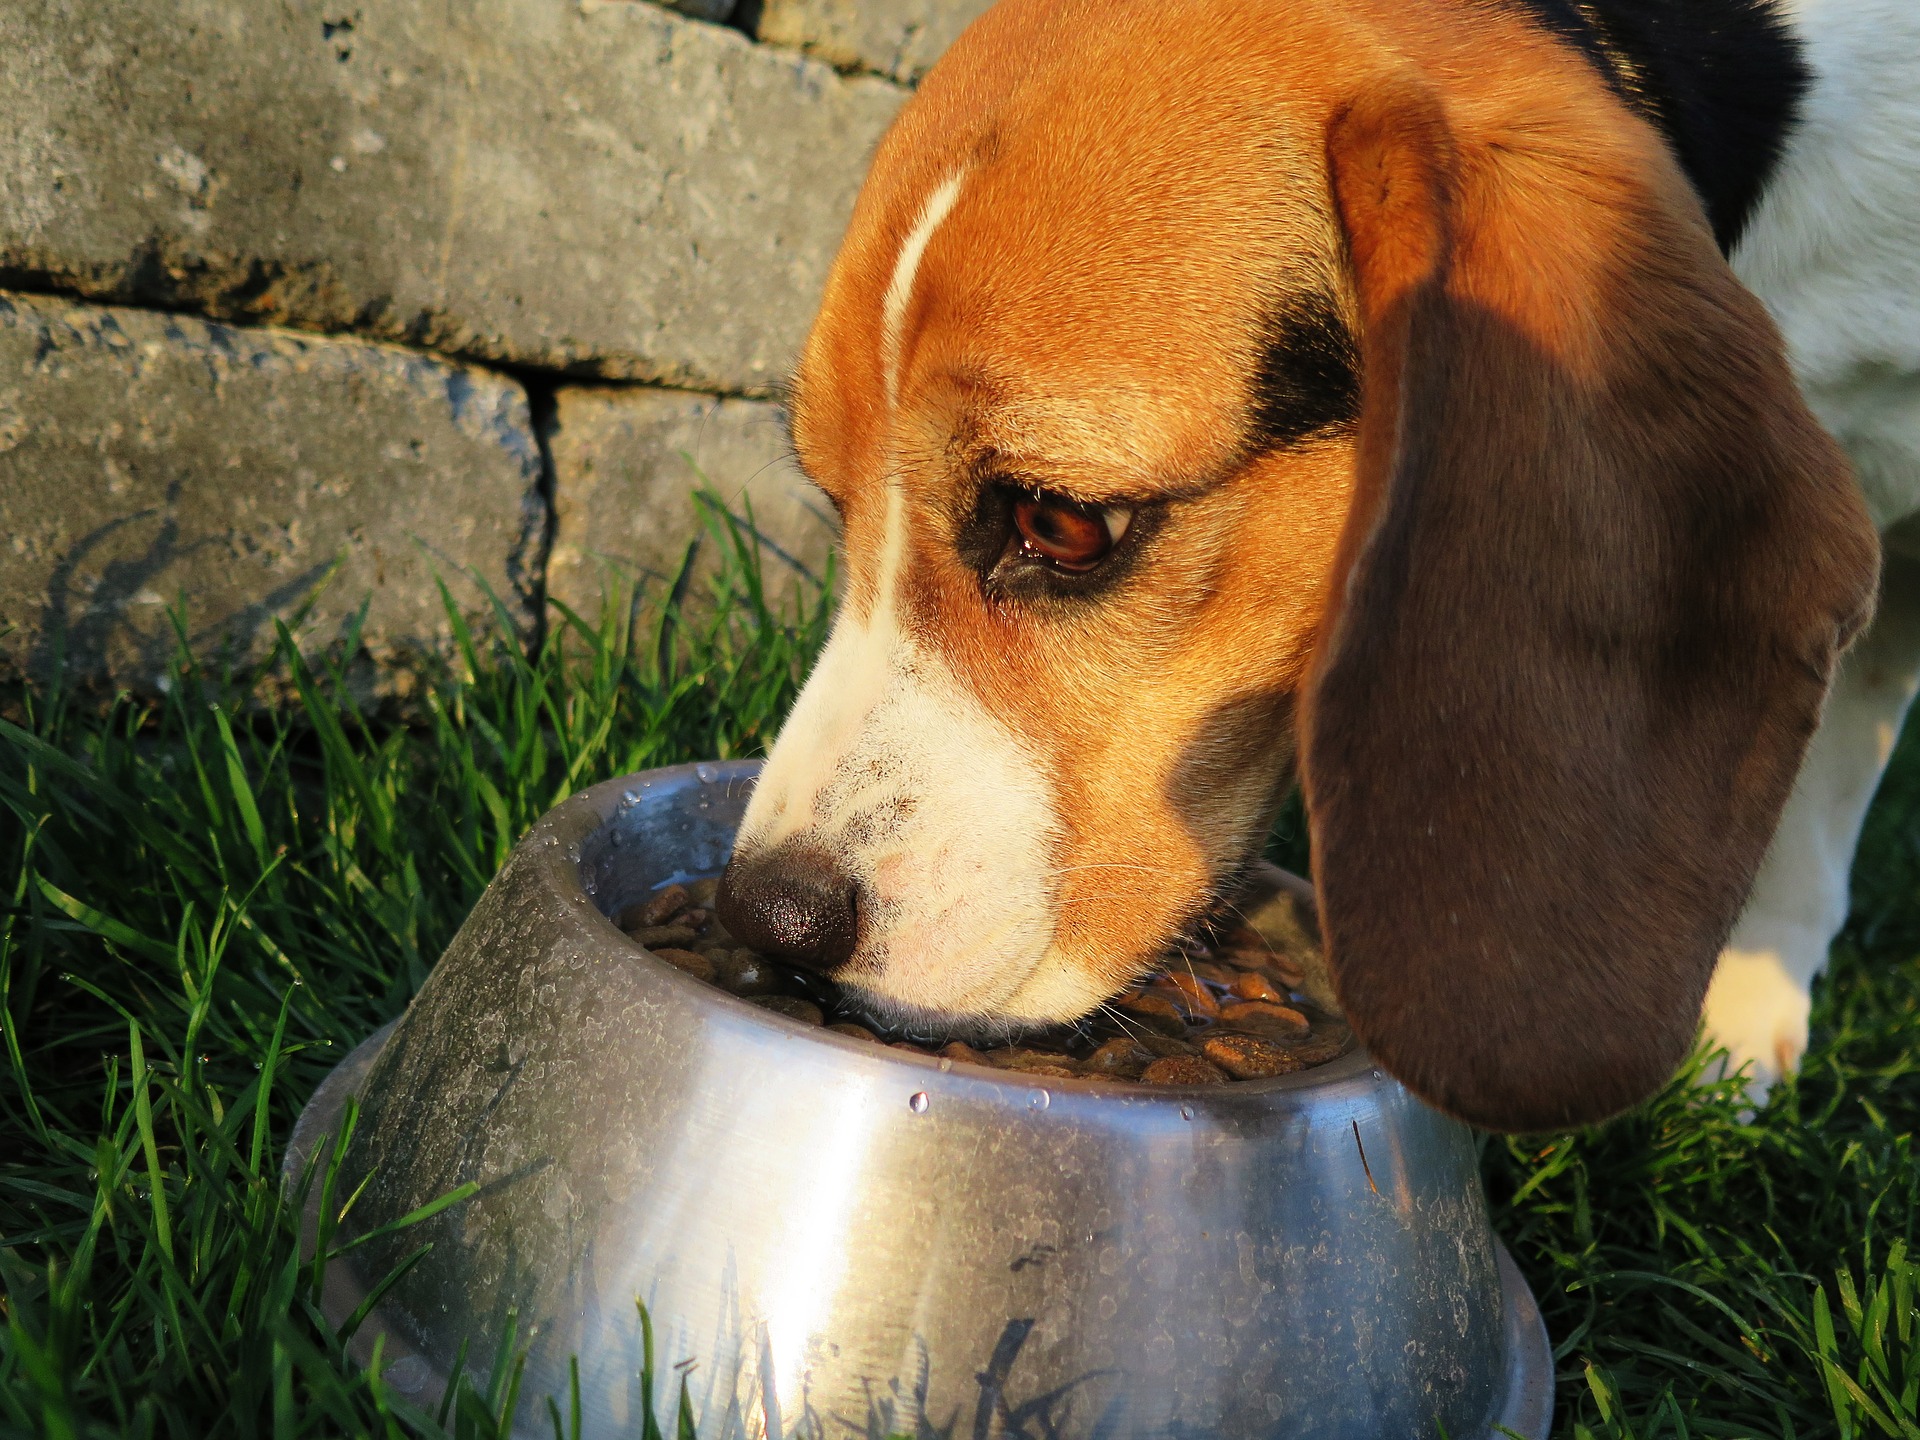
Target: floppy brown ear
[{"x": 1600, "y": 563}]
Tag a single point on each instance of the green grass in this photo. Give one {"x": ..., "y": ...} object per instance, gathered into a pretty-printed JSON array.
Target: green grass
[{"x": 203, "y": 905}]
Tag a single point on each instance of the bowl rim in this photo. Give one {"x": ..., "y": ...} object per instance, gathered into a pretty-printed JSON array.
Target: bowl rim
[{"x": 604, "y": 800}]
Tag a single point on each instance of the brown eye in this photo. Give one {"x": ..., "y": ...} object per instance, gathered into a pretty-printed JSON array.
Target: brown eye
[{"x": 1071, "y": 535}]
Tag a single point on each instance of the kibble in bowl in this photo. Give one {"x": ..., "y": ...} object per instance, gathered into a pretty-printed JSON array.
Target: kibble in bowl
[{"x": 1227, "y": 1005}]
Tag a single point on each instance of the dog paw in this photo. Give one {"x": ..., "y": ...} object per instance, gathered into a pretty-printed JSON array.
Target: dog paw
[{"x": 1757, "y": 1009}]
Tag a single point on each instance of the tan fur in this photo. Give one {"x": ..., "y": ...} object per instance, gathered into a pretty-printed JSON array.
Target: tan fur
[{"x": 1143, "y": 181}]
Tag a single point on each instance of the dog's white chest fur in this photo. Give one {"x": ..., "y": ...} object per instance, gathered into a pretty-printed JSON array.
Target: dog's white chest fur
[{"x": 1833, "y": 248}]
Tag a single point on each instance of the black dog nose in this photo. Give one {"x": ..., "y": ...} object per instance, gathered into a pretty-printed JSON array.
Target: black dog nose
[{"x": 793, "y": 903}]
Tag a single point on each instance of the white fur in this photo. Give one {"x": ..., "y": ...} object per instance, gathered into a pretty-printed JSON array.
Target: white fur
[
  {"x": 906, "y": 268},
  {"x": 1761, "y": 995},
  {"x": 1834, "y": 247},
  {"x": 1834, "y": 252},
  {"x": 929, "y": 801}
]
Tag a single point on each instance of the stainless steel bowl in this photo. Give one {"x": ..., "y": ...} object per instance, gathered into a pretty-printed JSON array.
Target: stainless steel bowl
[{"x": 832, "y": 1236}]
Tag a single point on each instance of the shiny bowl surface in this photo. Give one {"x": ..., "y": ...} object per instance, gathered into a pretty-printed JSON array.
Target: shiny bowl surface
[{"x": 833, "y": 1237}]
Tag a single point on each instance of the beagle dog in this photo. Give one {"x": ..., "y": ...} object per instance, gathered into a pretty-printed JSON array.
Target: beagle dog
[{"x": 1214, "y": 391}]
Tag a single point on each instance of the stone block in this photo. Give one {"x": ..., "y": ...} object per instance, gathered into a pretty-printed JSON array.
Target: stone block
[
  {"x": 145, "y": 456},
  {"x": 626, "y": 463},
  {"x": 898, "y": 38},
  {"x": 609, "y": 189}
]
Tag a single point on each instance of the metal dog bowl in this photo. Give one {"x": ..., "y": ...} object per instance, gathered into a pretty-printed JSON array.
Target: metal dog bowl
[{"x": 832, "y": 1237}]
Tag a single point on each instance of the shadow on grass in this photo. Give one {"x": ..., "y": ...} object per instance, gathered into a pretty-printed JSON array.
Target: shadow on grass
[{"x": 205, "y": 903}]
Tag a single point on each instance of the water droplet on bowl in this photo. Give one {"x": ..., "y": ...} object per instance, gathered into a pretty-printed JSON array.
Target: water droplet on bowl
[
  {"x": 1186, "y": 1112},
  {"x": 918, "y": 1102},
  {"x": 945, "y": 1063},
  {"x": 707, "y": 773},
  {"x": 1039, "y": 1100}
]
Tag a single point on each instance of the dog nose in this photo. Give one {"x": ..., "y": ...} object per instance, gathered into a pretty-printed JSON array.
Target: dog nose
[{"x": 794, "y": 903}]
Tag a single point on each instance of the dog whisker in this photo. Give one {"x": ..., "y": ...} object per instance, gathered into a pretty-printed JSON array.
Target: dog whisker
[
  {"x": 1112, "y": 865},
  {"x": 1122, "y": 1021}
]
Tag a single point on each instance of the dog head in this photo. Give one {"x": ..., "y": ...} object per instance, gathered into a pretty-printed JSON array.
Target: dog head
[{"x": 1209, "y": 389}]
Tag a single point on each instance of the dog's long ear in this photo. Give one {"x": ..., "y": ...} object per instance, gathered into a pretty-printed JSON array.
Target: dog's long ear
[{"x": 1600, "y": 564}]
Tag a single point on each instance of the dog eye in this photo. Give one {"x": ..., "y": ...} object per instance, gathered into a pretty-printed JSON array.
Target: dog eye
[{"x": 1068, "y": 534}]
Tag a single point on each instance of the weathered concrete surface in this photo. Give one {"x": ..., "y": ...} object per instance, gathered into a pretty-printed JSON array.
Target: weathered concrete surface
[
  {"x": 625, "y": 464},
  {"x": 606, "y": 188},
  {"x": 144, "y": 455},
  {"x": 900, "y": 38}
]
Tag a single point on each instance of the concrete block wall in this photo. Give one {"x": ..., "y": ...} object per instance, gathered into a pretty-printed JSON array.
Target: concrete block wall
[{"x": 291, "y": 288}]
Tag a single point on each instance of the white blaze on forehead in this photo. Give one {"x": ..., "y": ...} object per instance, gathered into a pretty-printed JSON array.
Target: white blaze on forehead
[
  {"x": 931, "y": 801},
  {"x": 863, "y": 658},
  {"x": 893, "y": 309}
]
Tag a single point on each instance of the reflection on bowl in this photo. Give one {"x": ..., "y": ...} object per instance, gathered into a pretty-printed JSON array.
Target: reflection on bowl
[{"x": 842, "y": 1237}]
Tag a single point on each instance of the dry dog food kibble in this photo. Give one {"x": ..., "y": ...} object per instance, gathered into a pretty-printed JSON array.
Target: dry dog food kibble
[{"x": 1226, "y": 1008}]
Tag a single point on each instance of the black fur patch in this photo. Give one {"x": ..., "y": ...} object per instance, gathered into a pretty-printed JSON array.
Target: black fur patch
[
  {"x": 1307, "y": 380},
  {"x": 1724, "y": 79}
]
